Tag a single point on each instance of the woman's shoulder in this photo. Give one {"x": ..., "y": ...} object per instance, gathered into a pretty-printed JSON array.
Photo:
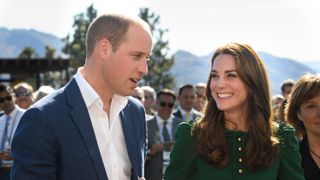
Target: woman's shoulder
[
  {"x": 287, "y": 136},
  {"x": 185, "y": 128}
]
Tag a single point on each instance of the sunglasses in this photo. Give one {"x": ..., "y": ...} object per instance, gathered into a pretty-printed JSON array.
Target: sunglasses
[
  {"x": 163, "y": 104},
  {"x": 8, "y": 98},
  {"x": 148, "y": 97},
  {"x": 22, "y": 93}
]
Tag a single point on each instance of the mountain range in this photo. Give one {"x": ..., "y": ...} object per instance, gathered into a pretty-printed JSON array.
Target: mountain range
[
  {"x": 188, "y": 68},
  {"x": 196, "y": 68},
  {"x": 13, "y": 41}
]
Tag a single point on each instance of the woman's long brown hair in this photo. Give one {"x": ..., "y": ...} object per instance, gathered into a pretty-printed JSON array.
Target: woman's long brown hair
[{"x": 261, "y": 148}]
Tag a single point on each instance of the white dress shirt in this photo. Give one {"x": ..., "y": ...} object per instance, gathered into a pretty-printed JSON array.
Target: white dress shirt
[
  {"x": 183, "y": 112},
  {"x": 15, "y": 117},
  {"x": 169, "y": 125},
  {"x": 108, "y": 130}
]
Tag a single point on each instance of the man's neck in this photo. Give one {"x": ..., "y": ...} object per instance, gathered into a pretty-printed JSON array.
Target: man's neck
[{"x": 8, "y": 112}]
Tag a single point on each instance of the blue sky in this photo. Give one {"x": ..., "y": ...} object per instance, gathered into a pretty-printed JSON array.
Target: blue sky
[{"x": 285, "y": 28}]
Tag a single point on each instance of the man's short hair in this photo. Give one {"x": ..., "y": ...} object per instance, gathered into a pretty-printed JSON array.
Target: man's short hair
[
  {"x": 113, "y": 27},
  {"x": 166, "y": 92},
  {"x": 185, "y": 86},
  {"x": 5, "y": 87},
  {"x": 287, "y": 83}
]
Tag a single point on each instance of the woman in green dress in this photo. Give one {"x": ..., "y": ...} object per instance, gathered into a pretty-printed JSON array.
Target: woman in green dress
[{"x": 236, "y": 138}]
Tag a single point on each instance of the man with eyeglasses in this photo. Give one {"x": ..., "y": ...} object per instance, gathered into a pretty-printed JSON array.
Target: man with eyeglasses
[
  {"x": 23, "y": 95},
  {"x": 8, "y": 124},
  {"x": 161, "y": 130}
]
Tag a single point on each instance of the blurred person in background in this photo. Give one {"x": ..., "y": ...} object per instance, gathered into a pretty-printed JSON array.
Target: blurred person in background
[
  {"x": 23, "y": 94},
  {"x": 138, "y": 93},
  {"x": 201, "y": 99},
  {"x": 187, "y": 100},
  {"x": 149, "y": 99},
  {"x": 42, "y": 92},
  {"x": 9, "y": 121},
  {"x": 161, "y": 137},
  {"x": 286, "y": 87},
  {"x": 303, "y": 113}
]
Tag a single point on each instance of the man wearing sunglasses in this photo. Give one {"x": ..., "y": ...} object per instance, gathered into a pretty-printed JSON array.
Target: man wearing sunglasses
[
  {"x": 161, "y": 130},
  {"x": 8, "y": 124},
  {"x": 23, "y": 95}
]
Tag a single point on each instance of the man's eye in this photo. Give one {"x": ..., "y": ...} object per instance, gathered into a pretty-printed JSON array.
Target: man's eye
[{"x": 137, "y": 56}]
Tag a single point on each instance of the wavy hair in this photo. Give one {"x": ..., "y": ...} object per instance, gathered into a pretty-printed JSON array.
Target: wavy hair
[
  {"x": 261, "y": 148},
  {"x": 307, "y": 87}
]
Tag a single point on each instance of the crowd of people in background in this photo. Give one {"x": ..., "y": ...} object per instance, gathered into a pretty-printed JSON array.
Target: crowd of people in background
[{"x": 13, "y": 103}]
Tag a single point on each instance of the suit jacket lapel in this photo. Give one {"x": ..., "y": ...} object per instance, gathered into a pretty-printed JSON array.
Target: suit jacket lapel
[
  {"x": 129, "y": 137},
  {"x": 154, "y": 128},
  {"x": 175, "y": 124},
  {"x": 81, "y": 118}
]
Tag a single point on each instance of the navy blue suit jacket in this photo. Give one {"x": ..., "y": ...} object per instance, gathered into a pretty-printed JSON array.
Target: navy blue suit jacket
[{"x": 55, "y": 139}]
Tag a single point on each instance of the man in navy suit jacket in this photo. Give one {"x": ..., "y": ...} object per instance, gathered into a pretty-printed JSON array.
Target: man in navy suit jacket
[{"x": 90, "y": 129}]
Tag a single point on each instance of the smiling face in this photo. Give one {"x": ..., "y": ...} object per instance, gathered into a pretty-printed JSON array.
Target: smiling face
[
  {"x": 124, "y": 67},
  {"x": 309, "y": 114},
  {"x": 227, "y": 89},
  {"x": 165, "y": 104}
]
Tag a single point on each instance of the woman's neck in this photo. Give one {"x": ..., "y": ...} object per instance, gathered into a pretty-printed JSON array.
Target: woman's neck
[
  {"x": 236, "y": 121},
  {"x": 314, "y": 147},
  {"x": 314, "y": 142}
]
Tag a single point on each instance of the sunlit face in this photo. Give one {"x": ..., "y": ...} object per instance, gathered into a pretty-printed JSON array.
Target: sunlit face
[
  {"x": 126, "y": 66},
  {"x": 187, "y": 99},
  {"x": 148, "y": 100},
  {"x": 227, "y": 89},
  {"x": 164, "y": 106},
  {"x": 309, "y": 114},
  {"x": 23, "y": 97}
]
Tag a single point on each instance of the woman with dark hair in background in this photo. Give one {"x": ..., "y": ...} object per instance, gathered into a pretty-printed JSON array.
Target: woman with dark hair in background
[
  {"x": 303, "y": 113},
  {"x": 236, "y": 139}
]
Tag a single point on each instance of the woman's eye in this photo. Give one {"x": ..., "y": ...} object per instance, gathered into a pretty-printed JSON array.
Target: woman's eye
[
  {"x": 231, "y": 75},
  {"x": 311, "y": 106},
  {"x": 214, "y": 76}
]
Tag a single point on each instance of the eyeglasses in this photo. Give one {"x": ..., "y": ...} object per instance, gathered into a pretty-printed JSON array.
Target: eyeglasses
[
  {"x": 8, "y": 98},
  {"x": 148, "y": 97},
  {"x": 163, "y": 104},
  {"x": 22, "y": 93}
]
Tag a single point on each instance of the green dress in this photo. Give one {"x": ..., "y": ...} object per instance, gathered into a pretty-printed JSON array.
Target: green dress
[{"x": 185, "y": 164}]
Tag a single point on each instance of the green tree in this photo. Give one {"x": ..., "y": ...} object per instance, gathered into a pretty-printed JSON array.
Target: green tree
[
  {"x": 159, "y": 66},
  {"x": 53, "y": 78},
  {"x": 49, "y": 52},
  {"x": 28, "y": 52},
  {"x": 75, "y": 46}
]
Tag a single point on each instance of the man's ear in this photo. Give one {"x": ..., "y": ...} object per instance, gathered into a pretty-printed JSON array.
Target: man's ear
[{"x": 104, "y": 48}]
